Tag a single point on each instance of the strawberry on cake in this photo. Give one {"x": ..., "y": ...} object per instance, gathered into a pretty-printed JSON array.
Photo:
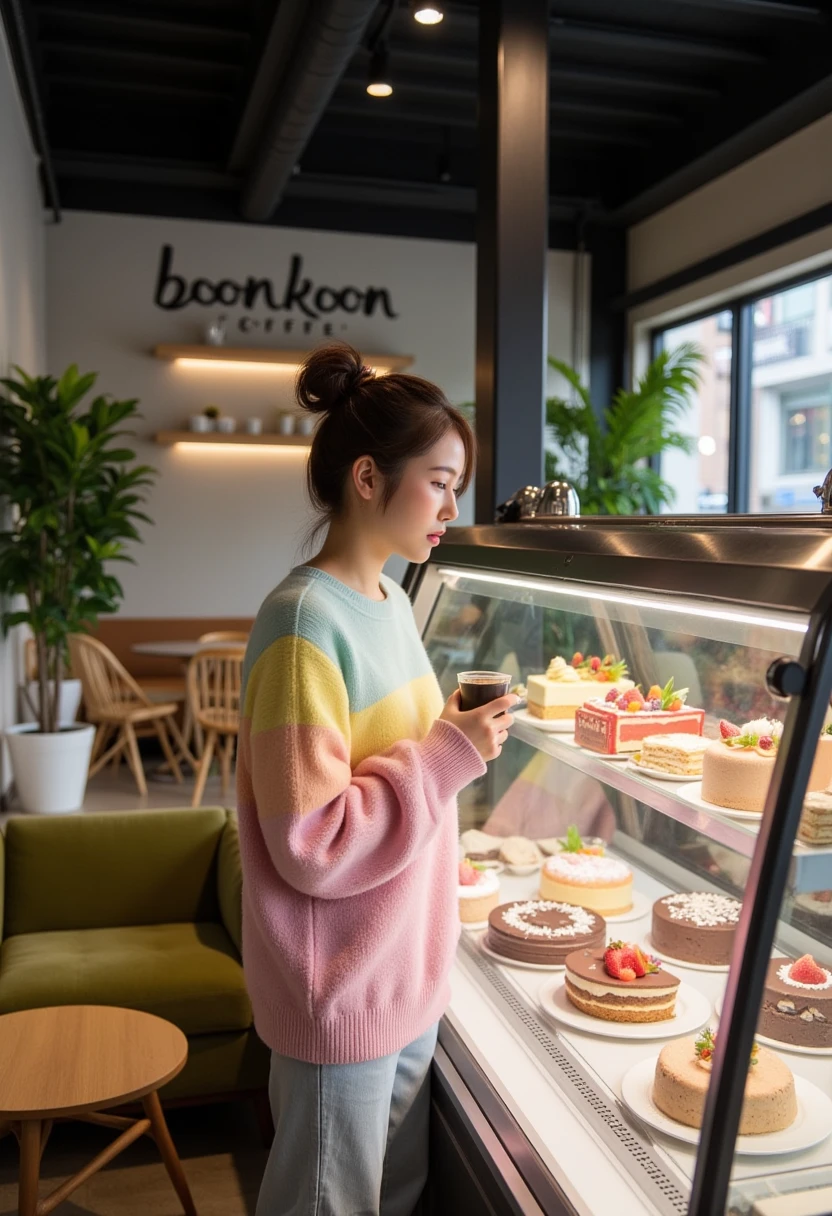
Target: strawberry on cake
[
  {"x": 620, "y": 984},
  {"x": 619, "y": 722},
  {"x": 737, "y": 769},
  {"x": 604, "y": 884},
  {"x": 565, "y": 686},
  {"x": 478, "y": 891}
]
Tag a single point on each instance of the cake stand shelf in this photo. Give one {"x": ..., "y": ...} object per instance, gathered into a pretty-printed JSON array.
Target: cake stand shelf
[{"x": 810, "y": 865}]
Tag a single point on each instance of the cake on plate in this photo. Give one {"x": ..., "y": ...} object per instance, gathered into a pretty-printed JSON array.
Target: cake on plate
[
  {"x": 817, "y": 906},
  {"x": 620, "y": 722},
  {"x": 696, "y": 927},
  {"x": 542, "y": 931},
  {"x": 478, "y": 891},
  {"x": 737, "y": 768},
  {"x": 519, "y": 851},
  {"x": 816, "y": 819},
  {"x": 564, "y": 687},
  {"x": 480, "y": 846},
  {"x": 604, "y": 884},
  {"x": 677, "y": 755},
  {"x": 683, "y": 1073},
  {"x": 620, "y": 984},
  {"x": 797, "y": 1003}
]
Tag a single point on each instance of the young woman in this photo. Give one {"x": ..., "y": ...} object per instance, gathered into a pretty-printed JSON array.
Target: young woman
[{"x": 347, "y": 776}]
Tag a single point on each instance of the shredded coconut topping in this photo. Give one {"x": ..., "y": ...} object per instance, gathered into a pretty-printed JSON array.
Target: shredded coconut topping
[
  {"x": 579, "y": 920},
  {"x": 783, "y": 974},
  {"x": 703, "y": 908},
  {"x": 586, "y": 867}
]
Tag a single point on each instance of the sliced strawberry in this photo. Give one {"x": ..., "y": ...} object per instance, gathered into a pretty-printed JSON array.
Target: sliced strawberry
[
  {"x": 577, "y": 659},
  {"x": 807, "y": 971},
  {"x": 595, "y": 663},
  {"x": 627, "y": 975},
  {"x": 468, "y": 876},
  {"x": 630, "y": 959},
  {"x": 727, "y": 729},
  {"x": 612, "y": 695},
  {"x": 765, "y": 743},
  {"x": 612, "y": 960},
  {"x": 822, "y": 897},
  {"x": 635, "y": 694}
]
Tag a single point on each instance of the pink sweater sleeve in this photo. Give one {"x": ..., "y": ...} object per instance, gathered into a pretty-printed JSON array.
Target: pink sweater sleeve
[{"x": 331, "y": 831}]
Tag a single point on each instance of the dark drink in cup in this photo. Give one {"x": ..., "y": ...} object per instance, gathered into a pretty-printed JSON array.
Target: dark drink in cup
[{"x": 479, "y": 687}]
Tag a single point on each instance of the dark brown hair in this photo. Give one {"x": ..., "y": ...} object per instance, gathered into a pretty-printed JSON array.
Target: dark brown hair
[{"x": 391, "y": 418}]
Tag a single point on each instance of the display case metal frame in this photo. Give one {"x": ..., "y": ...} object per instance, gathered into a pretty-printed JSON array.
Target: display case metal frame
[{"x": 771, "y": 562}]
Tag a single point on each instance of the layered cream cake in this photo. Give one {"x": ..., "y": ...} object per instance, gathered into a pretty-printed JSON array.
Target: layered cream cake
[
  {"x": 737, "y": 769},
  {"x": 683, "y": 1073},
  {"x": 621, "y": 722},
  {"x": 478, "y": 892},
  {"x": 678, "y": 755},
  {"x": 565, "y": 686},
  {"x": 542, "y": 931},
  {"x": 696, "y": 927},
  {"x": 816, "y": 819},
  {"x": 620, "y": 984},
  {"x": 604, "y": 884},
  {"x": 797, "y": 1003}
]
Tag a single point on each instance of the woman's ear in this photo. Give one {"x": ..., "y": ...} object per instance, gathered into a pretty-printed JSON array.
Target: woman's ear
[{"x": 366, "y": 478}]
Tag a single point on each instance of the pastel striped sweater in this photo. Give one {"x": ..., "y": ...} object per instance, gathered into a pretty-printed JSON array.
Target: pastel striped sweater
[{"x": 346, "y": 791}]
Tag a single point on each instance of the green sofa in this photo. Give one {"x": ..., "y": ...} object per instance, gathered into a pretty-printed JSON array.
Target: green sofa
[{"x": 141, "y": 909}]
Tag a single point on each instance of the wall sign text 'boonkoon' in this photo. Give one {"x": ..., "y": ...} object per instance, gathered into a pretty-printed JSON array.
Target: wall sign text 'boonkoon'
[{"x": 174, "y": 291}]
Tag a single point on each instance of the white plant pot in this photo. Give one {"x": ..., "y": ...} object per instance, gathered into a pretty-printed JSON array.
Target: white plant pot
[
  {"x": 50, "y": 771},
  {"x": 70, "y": 700}
]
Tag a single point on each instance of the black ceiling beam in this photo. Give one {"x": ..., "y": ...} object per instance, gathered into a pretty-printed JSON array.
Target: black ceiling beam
[
  {"x": 190, "y": 94},
  {"x": 144, "y": 59},
  {"x": 146, "y": 172},
  {"x": 127, "y": 25},
  {"x": 620, "y": 38},
  {"x": 615, "y": 80},
  {"x": 14, "y": 23},
  {"x": 767, "y": 9}
]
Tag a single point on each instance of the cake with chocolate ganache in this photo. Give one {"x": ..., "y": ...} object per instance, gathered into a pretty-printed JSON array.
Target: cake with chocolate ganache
[
  {"x": 696, "y": 927},
  {"x": 620, "y": 984},
  {"x": 797, "y": 1003},
  {"x": 542, "y": 931}
]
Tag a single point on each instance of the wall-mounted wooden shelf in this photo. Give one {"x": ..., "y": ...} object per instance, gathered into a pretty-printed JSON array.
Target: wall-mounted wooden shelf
[
  {"x": 240, "y": 437},
  {"x": 254, "y": 354}
]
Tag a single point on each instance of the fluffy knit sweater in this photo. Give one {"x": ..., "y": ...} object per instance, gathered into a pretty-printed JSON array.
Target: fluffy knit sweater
[{"x": 346, "y": 790}]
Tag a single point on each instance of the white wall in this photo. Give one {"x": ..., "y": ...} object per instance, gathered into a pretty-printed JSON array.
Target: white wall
[
  {"x": 22, "y": 333},
  {"x": 229, "y": 525}
]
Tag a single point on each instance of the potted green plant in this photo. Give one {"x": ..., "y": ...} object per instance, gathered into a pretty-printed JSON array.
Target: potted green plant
[
  {"x": 609, "y": 459},
  {"x": 72, "y": 494}
]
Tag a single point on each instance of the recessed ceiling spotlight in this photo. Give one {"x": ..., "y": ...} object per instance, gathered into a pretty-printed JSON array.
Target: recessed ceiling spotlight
[
  {"x": 427, "y": 14},
  {"x": 378, "y": 79}
]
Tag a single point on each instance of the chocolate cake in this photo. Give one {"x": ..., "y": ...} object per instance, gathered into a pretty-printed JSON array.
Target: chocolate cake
[
  {"x": 542, "y": 931},
  {"x": 696, "y": 927},
  {"x": 591, "y": 988},
  {"x": 795, "y": 1012}
]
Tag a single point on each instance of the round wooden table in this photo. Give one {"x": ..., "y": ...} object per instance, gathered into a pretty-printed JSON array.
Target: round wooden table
[{"x": 73, "y": 1062}]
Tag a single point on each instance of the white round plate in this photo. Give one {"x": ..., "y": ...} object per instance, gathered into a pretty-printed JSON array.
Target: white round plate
[
  {"x": 522, "y": 871},
  {"x": 812, "y": 1125},
  {"x": 657, "y": 774},
  {"x": 641, "y": 906},
  {"x": 474, "y": 925},
  {"x": 692, "y": 793},
  {"x": 692, "y": 1011},
  {"x": 778, "y": 1044},
  {"x": 513, "y": 962},
  {"x": 549, "y": 726},
  {"x": 616, "y": 757},
  {"x": 680, "y": 962}
]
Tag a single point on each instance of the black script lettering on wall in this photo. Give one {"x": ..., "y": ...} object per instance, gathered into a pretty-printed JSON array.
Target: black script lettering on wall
[{"x": 298, "y": 294}]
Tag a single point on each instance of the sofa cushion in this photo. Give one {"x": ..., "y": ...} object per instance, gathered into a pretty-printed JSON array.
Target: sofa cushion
[
  {"x": 111, "y": 869},
  {"x": 187, "y": 973}
]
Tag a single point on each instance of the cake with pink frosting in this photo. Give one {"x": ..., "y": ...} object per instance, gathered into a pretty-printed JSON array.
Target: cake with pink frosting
[
  {"x": 603, "y": 884},
  {"x": 478, "y": 892}
]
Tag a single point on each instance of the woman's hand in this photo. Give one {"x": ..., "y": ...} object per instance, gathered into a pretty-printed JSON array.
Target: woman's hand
[{"x": 484, "y": 727}]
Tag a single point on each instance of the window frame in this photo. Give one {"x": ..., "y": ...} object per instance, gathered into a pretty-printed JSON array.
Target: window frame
[{"x": 739, "y": 404}]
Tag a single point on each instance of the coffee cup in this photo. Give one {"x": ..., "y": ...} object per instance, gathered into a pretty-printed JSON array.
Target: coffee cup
[{"x": 479, "y": 687}]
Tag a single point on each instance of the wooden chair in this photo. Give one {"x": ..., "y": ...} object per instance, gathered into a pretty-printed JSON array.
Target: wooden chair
[
  {"x": 223, "y": 635},
  {"x": 117, "y": 706},
  {"x": 214, "y": 682}
]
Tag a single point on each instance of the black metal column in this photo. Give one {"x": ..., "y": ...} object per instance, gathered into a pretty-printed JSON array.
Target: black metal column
[
  {"x": 512, "y": 237},
  {"x": 607, "y": 248}
]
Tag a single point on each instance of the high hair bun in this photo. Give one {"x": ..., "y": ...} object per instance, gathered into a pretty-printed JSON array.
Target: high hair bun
[{"x": 330, "y": 378}]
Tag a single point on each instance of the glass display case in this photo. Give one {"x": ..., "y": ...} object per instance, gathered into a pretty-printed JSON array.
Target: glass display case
[{"x": 596, "y": 1095}]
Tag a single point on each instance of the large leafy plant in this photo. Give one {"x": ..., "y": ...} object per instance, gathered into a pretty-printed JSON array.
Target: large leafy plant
[
  {"x": 608, "y": 459},
  {"x": 72, "y": 494}
]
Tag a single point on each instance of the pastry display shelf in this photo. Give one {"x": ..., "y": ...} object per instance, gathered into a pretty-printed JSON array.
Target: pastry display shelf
[{"x": 811, "y": 866}]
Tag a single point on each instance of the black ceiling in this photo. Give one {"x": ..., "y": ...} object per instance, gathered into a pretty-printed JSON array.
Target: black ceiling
[{"x": 160, "y": 106}]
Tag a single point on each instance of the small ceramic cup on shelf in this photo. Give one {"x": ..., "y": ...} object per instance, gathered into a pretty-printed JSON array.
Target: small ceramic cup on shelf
[
  {"x": 286, "y": 424},
  {"x": 306, "y": 424},
  {"x": 226, "y": 425},
  {"x": 199, "y": 424},
  {"x": 254, "y": 426}
]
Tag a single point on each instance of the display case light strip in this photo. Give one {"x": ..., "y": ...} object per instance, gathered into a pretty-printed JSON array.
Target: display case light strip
[{"x": 710, "y": 612}]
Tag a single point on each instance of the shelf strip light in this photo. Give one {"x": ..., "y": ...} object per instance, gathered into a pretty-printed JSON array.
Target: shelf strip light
[
  {"x": 635, "y": 601},
  {"x": 188, "y": 445},
  {"x": 246, "y": 365}
]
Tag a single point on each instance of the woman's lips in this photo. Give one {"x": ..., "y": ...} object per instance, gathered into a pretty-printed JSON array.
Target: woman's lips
[{"x": 435, "y": 537}]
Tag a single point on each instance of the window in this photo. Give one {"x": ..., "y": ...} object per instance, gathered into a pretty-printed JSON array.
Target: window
[
  {"x": 700, "y": 478},
  {"x": 762, "y": 433}
]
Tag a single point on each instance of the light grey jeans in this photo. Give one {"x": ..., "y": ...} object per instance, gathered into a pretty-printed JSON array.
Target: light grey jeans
[{"x": 350, "y": 1139}]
